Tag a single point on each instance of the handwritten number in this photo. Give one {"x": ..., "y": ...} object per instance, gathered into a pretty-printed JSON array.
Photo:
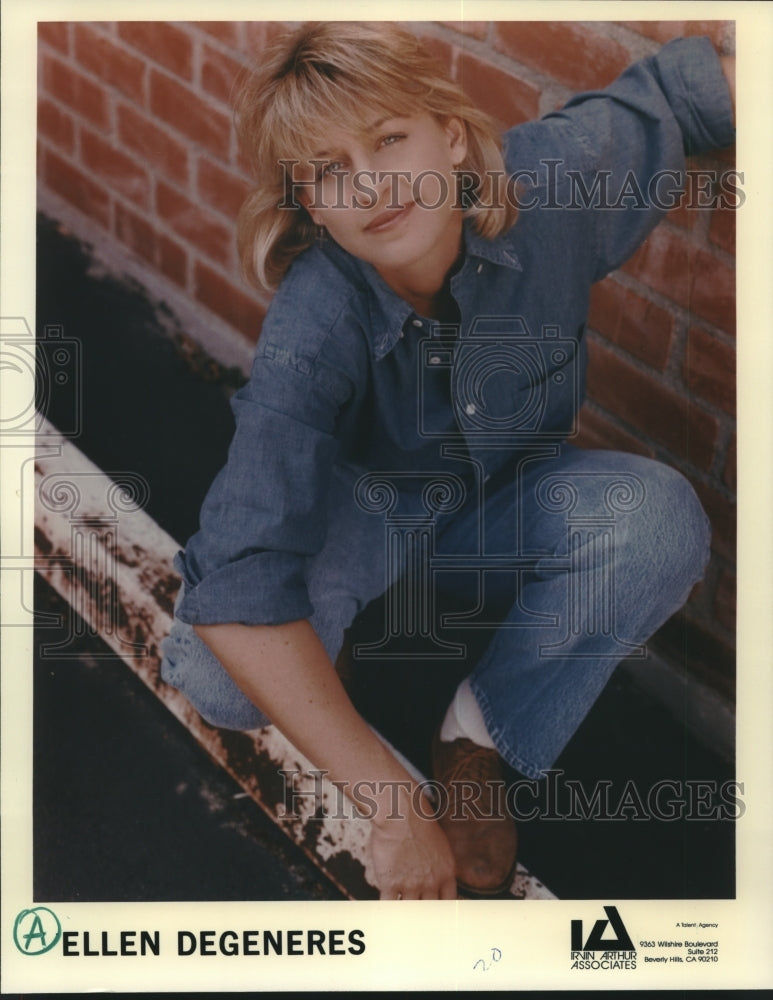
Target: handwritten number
[{"x": 496, "y": 954}]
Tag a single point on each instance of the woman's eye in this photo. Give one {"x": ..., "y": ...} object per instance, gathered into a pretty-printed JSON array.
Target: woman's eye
[
  {"x": 388, "y": 140},
  {"x": 330, "y": 168}
]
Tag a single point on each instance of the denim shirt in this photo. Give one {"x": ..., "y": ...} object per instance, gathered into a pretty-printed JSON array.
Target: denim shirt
[{"x": 347, "y": 373}]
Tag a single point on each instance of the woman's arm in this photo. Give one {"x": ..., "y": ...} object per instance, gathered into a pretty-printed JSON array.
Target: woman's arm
[{"x": 286, "y": 672}]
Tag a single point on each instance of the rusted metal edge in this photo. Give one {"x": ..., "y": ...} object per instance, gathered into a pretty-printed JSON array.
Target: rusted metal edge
[{"x": 112, "y": 563}]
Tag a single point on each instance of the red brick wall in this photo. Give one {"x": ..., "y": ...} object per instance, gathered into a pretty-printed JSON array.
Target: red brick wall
[{"x": 135, "y": 133}]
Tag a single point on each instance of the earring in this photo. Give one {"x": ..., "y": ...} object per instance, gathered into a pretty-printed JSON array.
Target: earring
[{"x": 321, "y": 234}]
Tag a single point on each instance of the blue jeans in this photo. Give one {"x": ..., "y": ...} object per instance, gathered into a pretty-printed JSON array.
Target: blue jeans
[{"x": 569, "y": 560}]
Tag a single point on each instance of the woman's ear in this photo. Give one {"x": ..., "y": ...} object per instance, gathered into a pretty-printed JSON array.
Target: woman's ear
[{"x": 456, "y": 131}]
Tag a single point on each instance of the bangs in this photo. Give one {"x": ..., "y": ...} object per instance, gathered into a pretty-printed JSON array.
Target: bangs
[{"x": 307, "y": 106}]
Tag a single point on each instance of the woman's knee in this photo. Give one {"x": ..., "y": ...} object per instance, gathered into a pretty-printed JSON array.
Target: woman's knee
[{"x": 671, "y": 525}]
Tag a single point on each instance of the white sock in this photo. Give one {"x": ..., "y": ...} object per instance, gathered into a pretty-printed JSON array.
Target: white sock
[{"x": 465, "y": 719}]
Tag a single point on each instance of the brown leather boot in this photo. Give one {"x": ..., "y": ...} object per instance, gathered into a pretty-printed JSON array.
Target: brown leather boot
[{"x": 482, "y": 834}]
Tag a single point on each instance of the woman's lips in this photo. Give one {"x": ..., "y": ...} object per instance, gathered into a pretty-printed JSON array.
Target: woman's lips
[{"x": 388, "y": 219}]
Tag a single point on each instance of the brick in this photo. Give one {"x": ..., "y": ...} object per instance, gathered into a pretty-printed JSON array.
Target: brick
[
  {"x": 662, "y": 263},
  {"x": 184, "y": 110},
  {"x": 173, "y": 260},
  {"x": 571, "y": 53},
  {"x": 242, "y": 161},
  {"x": 121, "y": 172},
  {"x": 194, "y": 224},
  {"x": 110, "y": 62},
  {"x": 726, "y": 155},
  {"x": 224, "y": 31},
  {"x": 725, "y": 601},
  {"x": 709, "y": 369},
  {"x": 72, "y": 88},
  {"x": 689, "y": 275},
  {"x": 642, "y": 328},
  {"x": 140, "y": 134},
  {"x": 706, "y": 655},
  {"x": 684, "y": 215},
  {"x": 259, "y": 34},
  {"x": 722, "y": 229},
  {"x": 596, "y": 431},
  {"x": 136, "y": 233},
  {"x": 505, "y": 97},
  {"x": 220, "y": 188},
  {"x": 721, "y": 511},
  {"x": 643, "y": 401},
  {"x": 221, "y": 75},
  {"x": 664, "y": 31},
  {"x": 713, "y": 290},
  {"x": 77, "y": 188},
  {"x": 56, "y": 125},
  {"x": 56, "y": 34},
  {"x": 141, "y": 237},
  {"x": 222, "y": 297},
  {"x": 166, "y": 44},
  {"x": 705, "y": 185},
  {"x": 475, "y": 29},
  {"x": 730, "y": 471},
  {"x": 696, "y": 595}
]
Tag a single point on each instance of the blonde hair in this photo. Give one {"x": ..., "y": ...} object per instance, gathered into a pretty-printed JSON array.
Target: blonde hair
[{"x": 341, "y": 72}]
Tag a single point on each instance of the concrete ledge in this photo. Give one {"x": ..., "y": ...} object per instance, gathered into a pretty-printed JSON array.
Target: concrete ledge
[{"x": 113, "y": 564}]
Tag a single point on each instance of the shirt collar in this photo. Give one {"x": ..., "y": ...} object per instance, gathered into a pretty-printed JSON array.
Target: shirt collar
[
  {"x": 497, "y": 251},
  {"x": 389, "y": 312}
]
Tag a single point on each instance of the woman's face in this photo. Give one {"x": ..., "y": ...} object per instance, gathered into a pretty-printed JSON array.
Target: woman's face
[{"x": 388, "y": 195}]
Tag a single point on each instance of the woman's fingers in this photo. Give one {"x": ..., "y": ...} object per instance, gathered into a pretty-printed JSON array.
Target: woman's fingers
[{"x": 412, "y": 859}]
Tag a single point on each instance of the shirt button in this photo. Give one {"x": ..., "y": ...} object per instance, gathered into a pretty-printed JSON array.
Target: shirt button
[
  {"x": 469, "y": 409},
  {"x": 417, "y": 322},
  {"x": 434, "y": 360},
  {"x": 402, "y": 333},
  {"x": 480, "y": 268}
]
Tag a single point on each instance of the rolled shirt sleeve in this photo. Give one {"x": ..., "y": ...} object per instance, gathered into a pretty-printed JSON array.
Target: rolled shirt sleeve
[
  {"x": 615, "y": 145},
  {"x": 690, "y": 75},
  {"x": 266, "y": 511}
]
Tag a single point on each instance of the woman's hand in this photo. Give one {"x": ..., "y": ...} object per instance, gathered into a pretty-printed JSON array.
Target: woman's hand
[
  {"x": 412, "y": 857},
  {"x": 286, "y": 672}
]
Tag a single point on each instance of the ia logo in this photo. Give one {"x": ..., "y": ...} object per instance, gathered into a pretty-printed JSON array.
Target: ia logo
[{"x": 596, "y": 941}]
